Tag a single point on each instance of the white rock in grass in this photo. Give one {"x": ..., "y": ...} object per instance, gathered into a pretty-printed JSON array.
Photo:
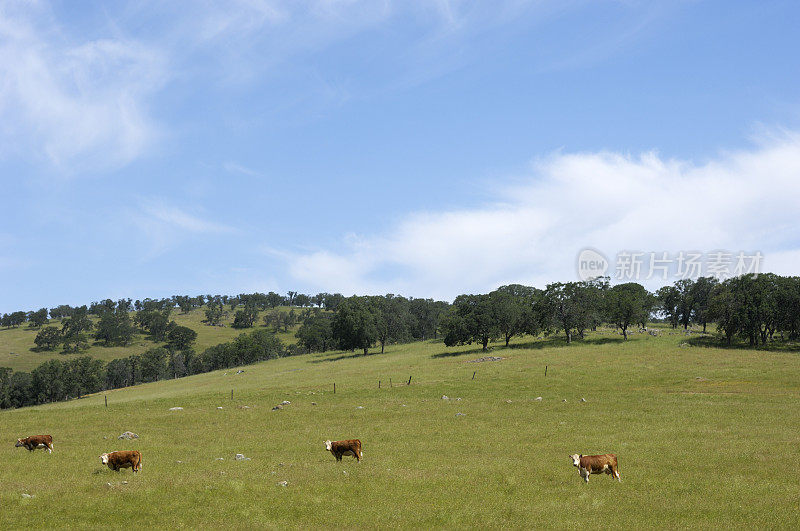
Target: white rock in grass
[
  {"x": 360, "y": 407},
  {"x": 285, "y": 403},
  {"x": 219, "y": 407},
  {"x": 278, "y": 407},
  {"x": 241, "y": 457},
  {"x": 128, "y": 435},
  {"x": 282, "y": 484},
  {"x": 26, "y": 495},
  {"x": 445, "y": 397},
  {"x": 564, "y": 400},
  {"x": 583, "y": 400},
  {"x": 220, "y": 459},
  {"x": 176, "y": 409},
  {"x": 538, "y": 398},
  {"x": 460, "y": 414}
]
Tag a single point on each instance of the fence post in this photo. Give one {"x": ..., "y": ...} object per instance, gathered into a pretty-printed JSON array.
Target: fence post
[
  {"x": 334, "y": 387},
  {"x": 409, "y": 381},
  {"x": 473, "y": 375},
  {"x": 106, "y": 397},
  {"x": 545, "y": 371}
]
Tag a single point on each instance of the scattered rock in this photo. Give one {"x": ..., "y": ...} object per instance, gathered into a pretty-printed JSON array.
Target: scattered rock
[
  {"x": 285, "y": 403},
  {"x": 538, "y": 398},
  {"x": 176, "y": 409},
  {"x": 564, "y": 400},
  {"x": 124, "y": 482},
  {"x": 583, "y": 400},
  {"x": 486, "y": 358},
  {"x": 457, "y": 399},
  {"x": 219, "y": 407},
  {"x": 107, "y": 485},
  {"x": 220, "y": 459},
  {"x": 403, "y": 405},
  {"x": 240, "y": 371},
  {"x": 241, "y": 457},
  {"x": 276, "y": 408},
  {"x": 313, "y": 403},
  {"x": 700, "y": 379},
  {"x": 508, "y": 401},
  {"x": 444, "y": 397},
  {"x": 128, "y": 435},
  {"x": 179, "y": 461},
  {"x": 26, "y": 495},
  {"x": 104, "y": 437},
  {"x": 460, "y": 414},
  {"x": 282, "y": 484},
  {"x": 244, "y": 407},
  {"x": 344, "y": 472},
  {"x": 360, "y": 407}
]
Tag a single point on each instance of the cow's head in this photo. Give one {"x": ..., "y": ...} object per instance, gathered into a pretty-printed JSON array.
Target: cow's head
[
  {"x": 576, "y": 459},
  {"x": 328, "y": 445},
  {"x": 104, "y": 459},
  {"x": 19, "y": 443}
]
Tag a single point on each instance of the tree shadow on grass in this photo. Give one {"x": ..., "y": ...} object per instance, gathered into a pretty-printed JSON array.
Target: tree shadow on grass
[
  {"x": 711, "y": 341},
  {"x": 456, "y": 353},
  {"x": 344, "y": 357},
  {"x": 551, "y": 342}
]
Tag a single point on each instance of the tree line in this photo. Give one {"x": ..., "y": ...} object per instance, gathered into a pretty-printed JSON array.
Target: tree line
[
  {"x": 758, "y": 310},
  {"x": 361, "y": 322},
  {"x": 56, "y": 380}
]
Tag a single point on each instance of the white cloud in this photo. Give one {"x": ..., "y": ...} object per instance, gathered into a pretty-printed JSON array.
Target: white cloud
[
  {"x": 79, "y": 104},
  {"x": 531, "y": 231}
]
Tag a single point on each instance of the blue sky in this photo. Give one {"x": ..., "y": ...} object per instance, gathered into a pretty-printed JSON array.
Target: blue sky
[{"x": 427, "y": 148}]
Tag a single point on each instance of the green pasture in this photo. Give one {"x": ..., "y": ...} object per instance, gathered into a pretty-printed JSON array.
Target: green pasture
[{"x": 705, "y": 437}]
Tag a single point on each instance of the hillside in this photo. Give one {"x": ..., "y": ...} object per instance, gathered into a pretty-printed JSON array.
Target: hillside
[
  {"x": 703, "y": 435},
  {"x": 16, "y": 343}
]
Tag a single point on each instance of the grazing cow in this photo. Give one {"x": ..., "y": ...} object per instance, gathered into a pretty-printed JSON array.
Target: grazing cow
[
  {"x": 123, "y": 459},
  {"x": 36, "y": 441},
  {"x": 596, "y": 464},
  {"x": 340, "y": 448}
]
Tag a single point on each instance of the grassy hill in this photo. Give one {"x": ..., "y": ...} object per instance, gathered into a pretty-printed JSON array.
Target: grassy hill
[
  {"x": 706, "y": 437},
  {"x": 16, "y": 343}
]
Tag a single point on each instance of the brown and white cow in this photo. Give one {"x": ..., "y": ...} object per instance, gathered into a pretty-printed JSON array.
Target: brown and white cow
[
  {"x": 123, "y": 459},
  {"x": 348, "y": 447},
  {"x": 596, "y": 464},
  {"x": 36, "y": 441}
]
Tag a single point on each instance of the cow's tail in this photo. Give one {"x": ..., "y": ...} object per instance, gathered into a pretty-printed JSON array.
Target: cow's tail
[{"x": 140, "y": 460}]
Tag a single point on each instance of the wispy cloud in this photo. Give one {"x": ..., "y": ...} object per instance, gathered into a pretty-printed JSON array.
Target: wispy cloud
[
  {"x": 80, "y": 103},
  {"x": 165, "y": 226},
  {"x": 532, "y": 230},
  {"x": 233, "y": 167}
]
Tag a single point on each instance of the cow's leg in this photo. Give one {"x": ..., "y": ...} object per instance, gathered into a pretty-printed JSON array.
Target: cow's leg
[
  {"x": 585, "y": 474},
  {"x": 616, "y": 473}
]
